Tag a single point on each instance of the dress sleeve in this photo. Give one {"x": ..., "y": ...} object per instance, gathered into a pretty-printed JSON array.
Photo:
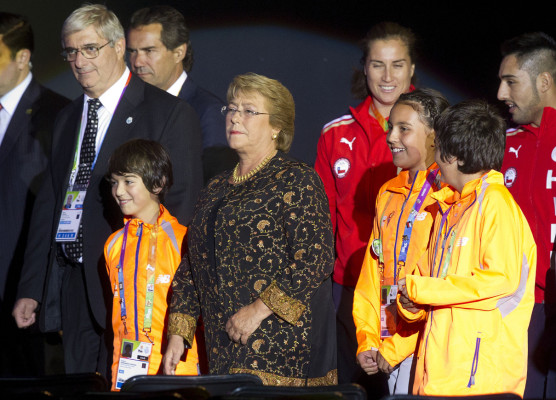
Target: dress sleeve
[
  {"x": 184, "y": 305},
  {"x": 310, "y": 248},
  {"x": 323, "y": 168}
]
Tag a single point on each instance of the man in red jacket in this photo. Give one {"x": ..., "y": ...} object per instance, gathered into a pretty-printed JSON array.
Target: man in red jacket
[{"x": 527, "y": 86}]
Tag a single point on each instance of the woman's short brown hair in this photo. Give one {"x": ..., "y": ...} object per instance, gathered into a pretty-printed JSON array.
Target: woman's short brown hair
[{"x": 278, "y": 100}]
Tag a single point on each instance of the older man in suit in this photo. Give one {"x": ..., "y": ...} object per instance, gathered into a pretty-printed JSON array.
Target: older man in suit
[
  {"x": 161, "y": 54},
  {"x": 27, "y": 113},
  {"x": 64, "y": 269}
]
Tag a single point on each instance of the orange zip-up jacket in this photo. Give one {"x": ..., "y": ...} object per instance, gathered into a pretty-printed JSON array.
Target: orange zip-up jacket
[
  {"x": 394, "y": 203},
  {"x": 168, "y": 257},
  {"x": 475, "y": 337}
]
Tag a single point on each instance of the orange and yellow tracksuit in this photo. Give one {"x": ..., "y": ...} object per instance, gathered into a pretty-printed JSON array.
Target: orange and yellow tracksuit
[
  {"x": 394, "y": 203},
  {"x": 169, "y": 238},
  {"x": 478, "y": 279}
]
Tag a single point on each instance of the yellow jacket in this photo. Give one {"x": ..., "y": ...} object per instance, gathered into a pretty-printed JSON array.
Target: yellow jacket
[
  {"x": 168, "y": 256},
  {"x": 392, "y": 208},
  {"x": 475, "y": 336}
]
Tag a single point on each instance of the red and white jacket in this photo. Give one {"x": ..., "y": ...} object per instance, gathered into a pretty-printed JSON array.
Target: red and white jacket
[
  {"x": 353, "y": 161},
  {"x": 529, "y": 170}
]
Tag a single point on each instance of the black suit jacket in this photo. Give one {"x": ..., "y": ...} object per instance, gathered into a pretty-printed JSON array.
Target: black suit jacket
[
  {"x": 23, "y": 158},
  {"x": 207, "y": 106},
  {"x": 217, "y": 156},
  {"x": 143, "y": 112}
]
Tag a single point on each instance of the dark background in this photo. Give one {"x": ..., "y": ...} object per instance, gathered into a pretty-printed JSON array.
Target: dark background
[{"x": 311, "y": 47}]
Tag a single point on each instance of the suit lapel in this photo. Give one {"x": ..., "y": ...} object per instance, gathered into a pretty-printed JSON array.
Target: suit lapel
[
  {"x": 64, "y": 141},
  {"x": 187, "y": 90},
  {"x": 20, "y": 120}
]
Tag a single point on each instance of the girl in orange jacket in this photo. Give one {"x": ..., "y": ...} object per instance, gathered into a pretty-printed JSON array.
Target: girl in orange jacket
[{"x": 400, "y": 236}]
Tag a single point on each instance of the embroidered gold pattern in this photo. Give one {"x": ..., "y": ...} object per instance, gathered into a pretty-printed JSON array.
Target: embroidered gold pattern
[
  {"x": 259, "y": 284},
  {"x": 262, "y": 224},
  {"x": 331, "y": 378},
  {"x": 288, "y": 198},
  {"x": 257, "y": 344},
  {"x": 284, "y": 306},
  {"x": 299, "y": 254},
  {"x": 182, "y": 325}
]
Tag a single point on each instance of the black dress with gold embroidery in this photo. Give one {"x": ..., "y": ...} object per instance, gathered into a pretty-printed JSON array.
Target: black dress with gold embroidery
[{"x": 269, "y": 238}]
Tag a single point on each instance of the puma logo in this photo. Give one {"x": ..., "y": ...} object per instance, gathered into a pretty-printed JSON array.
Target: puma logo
[
  {"x": 350, "y": 144},
  {"x": 512, "y": 150}
]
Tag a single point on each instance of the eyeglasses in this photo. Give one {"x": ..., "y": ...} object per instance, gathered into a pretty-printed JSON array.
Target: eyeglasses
[
  {"x": 89, "y": 51},
  {"x": 231, "y": 111}
]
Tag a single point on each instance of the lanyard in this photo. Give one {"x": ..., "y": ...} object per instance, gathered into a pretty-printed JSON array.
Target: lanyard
[
  {"x": 123, "y": 310},
  {"x": 150, "y": 281},
  {"x": 408, "y": 230},
  {"x": 381, "y": 120},
  {"x": 450, "y": 239},
  {"x": 149, "y": 295}
]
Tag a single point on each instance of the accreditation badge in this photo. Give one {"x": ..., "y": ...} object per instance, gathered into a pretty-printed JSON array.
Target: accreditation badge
[
  {"x": 72, "y": 211},
  {"x": 134, "y": 360},
  {"x": 388, "y": 310}
]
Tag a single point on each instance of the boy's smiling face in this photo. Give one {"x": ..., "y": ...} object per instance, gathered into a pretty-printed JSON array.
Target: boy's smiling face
[{"x": 134, "y": 198}]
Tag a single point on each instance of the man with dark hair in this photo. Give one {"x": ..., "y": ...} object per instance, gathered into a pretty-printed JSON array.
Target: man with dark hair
[
  {"x": 161, "y": 54},
  {"x": 27, "y": 114},
  {"x": 475, "y": 286},
  {"x": 527, "y": 86},
  {"x": 63, "y": 270}
]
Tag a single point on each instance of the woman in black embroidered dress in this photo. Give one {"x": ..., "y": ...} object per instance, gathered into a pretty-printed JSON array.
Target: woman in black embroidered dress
[{"x": 260, "y": 254}]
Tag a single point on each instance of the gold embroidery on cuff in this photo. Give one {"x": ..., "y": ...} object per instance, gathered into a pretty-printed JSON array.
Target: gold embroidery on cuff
[
  {"x": 331, "y": 378},
  {"x": 183, "y": 325},
  {"x": 281, "y": 304}
]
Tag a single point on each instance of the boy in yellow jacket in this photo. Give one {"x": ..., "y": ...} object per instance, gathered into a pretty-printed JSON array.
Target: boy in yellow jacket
[
  {"x": 141, "y": 259},
  {"x": 475, "y": 287}
]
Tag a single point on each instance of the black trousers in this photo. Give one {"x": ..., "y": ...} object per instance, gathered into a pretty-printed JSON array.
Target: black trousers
[{"x": 86, "y": 349}]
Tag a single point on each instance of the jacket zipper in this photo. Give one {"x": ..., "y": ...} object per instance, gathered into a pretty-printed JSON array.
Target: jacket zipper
[{"x": 475, "y": 362}]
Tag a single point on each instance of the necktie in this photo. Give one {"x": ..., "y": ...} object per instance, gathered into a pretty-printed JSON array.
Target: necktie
[{"x": 74, "y": 250}]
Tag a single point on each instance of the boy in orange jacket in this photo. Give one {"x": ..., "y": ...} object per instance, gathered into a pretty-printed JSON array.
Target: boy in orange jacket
[
  {"x": 141, "y": 259},
  {"x": 475, "y": 286}
]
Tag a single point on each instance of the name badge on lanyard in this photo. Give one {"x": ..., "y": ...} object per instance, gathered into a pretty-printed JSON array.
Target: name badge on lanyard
[
  {"x": 388, "y": 310},
  {"x": 134, "y": 360},
  {"x": 68, "y": 227}
]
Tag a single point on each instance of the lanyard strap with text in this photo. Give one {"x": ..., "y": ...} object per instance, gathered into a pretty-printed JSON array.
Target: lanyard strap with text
[
  {"x": 150, "y": 281},
  {"x": 149, "y": 295},
  {"x": 123, "y": 310},
  {"x": 408, "y": 230}
]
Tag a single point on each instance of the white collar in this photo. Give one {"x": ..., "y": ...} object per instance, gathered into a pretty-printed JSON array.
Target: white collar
[
  {"x": 11, "y": 99},
  {"x": 110, "y": 98},
  {"x": 176, "y": 86}
]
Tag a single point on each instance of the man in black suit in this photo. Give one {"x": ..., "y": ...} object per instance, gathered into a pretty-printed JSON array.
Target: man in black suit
[
  {"x": 68, "y": 278},
  {"x": 27, "y": 113},
  {"x": 161, "y": 54}
]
